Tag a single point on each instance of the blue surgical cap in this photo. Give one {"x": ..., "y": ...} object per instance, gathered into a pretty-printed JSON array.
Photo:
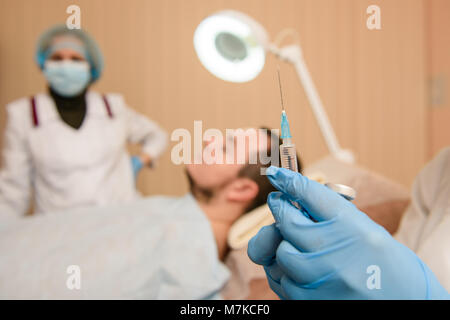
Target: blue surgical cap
[{"x": 91, "y": 50}]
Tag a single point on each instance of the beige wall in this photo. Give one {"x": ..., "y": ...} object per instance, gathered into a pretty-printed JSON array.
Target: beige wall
[
  {"x": 438, "y": 44},
  {"x": 372, "y": 83}
]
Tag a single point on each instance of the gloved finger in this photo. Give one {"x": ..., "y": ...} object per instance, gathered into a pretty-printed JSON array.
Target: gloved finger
[
  {"x": 314, "y": 269},
  {"x": 293, "y": 291},
  {"x": 274, "y": 271},
  {"x": 319, "y": 201},
  {"x": 304, "y": 234},
  {"x": 273, "y": 200},
  {"x": 262, "y": 247},
  {"x": 274, "y": 275},
  {"x": 327, "y": 291}
]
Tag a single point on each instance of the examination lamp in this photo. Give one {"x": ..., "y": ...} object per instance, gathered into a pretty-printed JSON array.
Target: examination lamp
[{"x": 233, "y": 46}]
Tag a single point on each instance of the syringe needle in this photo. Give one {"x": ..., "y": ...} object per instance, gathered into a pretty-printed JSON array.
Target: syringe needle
[{"x": 281, "y": 91}]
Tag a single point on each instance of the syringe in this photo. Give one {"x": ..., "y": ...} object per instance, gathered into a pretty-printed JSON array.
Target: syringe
[{"x": 288, "y": 153}]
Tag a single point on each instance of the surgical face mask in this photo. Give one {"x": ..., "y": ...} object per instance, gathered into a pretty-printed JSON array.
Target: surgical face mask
[{"x": 67, "y": 78}]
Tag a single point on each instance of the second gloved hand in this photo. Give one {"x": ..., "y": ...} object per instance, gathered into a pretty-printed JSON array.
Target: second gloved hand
[
  {"x": 137, "y": 165},
  {"x": 342, "y": 255}
]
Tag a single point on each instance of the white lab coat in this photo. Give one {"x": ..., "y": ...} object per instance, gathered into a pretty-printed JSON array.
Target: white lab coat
[
  {"x": 425, "y": 227},
  {"x": 69, "y": 168}
]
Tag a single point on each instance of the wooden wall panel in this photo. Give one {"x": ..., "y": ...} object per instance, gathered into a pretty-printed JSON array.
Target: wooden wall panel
[
  {"x": 438, "y": 45},
  {"x": 372, "y": 83}
]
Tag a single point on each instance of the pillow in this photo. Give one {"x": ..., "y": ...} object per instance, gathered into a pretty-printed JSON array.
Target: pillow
[
  {"x": 371, "y": 188},
  {"x": 383, "y": 200}
]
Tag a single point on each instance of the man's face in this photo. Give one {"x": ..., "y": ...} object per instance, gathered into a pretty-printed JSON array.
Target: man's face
[{"x": 215, "y": 175}]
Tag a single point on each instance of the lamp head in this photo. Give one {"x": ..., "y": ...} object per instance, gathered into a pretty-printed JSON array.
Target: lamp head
[{"x": 231, "y": 45}]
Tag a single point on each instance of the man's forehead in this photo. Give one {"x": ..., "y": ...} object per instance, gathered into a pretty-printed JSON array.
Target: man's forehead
[
  {"x": 241, "y": 133},
  {"x": 253, "y": 138}
]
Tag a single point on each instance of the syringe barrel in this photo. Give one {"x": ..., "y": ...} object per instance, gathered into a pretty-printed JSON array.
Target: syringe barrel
[{"x": 288, "y": 155}]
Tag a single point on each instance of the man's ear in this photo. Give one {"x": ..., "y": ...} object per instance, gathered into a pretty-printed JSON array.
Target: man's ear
[{"x": 242, "y": 190}]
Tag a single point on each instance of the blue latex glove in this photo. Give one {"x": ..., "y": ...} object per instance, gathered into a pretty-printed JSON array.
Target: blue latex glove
[
  {"x": 137, "y": 166},
  {"x": 341, "y": 256}
]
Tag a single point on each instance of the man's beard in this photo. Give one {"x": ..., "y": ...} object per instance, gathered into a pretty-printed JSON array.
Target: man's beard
[
  {"x": 206, "y": 194},
  {"x": 201, "y": 194}
]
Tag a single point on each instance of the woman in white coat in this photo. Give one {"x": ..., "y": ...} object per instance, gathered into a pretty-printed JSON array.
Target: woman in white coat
[{"x": 67, "y": 147}]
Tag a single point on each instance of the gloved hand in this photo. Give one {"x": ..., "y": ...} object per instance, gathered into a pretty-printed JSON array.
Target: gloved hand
[
  {"x": 344, "y": 255},
  {"x": 137, "y": 165}
]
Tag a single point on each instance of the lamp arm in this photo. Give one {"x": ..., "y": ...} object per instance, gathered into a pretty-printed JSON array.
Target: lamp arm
[{"x": 294, "y": 55}]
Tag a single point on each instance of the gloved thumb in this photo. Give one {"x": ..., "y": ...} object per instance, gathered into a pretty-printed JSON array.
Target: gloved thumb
[{"x": 320, "y": 202}]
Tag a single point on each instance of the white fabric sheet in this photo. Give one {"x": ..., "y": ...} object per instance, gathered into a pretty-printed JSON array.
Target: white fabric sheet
[{"x": 154, "y": 248}]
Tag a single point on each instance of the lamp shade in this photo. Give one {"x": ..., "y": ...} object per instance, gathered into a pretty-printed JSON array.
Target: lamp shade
[{"x": 231, "y": 45}]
